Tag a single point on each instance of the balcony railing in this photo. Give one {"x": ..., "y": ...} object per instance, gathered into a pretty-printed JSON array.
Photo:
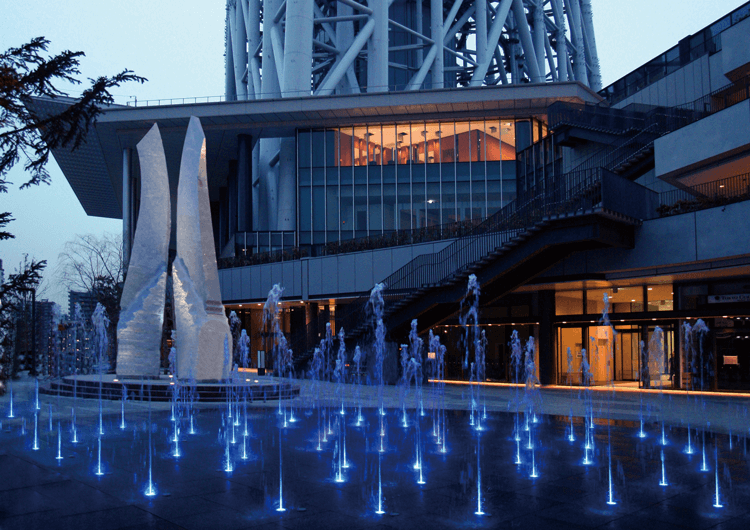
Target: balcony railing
[
  {"x": 703, "y": 196},
  {"x": 249, "y": 246}
]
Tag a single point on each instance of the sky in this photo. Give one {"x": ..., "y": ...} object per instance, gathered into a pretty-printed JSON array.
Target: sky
[{"x": 179, "y": 47}]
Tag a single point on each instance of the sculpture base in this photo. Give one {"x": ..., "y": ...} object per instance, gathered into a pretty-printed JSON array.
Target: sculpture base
[{"x": 259, "y": 389}]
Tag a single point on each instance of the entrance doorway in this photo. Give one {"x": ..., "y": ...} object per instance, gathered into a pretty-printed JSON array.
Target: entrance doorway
[{"x": 623, "y": 363}]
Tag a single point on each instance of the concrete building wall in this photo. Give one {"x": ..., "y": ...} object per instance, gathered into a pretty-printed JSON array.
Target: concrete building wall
[
  {"x": 704, "y": 140},
  {"x": 669, "y": 245},
  {"x": 321, "y": 277},
  {"x": 736, "y": 54}
]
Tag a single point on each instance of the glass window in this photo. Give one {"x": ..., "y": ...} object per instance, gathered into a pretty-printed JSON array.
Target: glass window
[
  {"x": 332, "y": 175},
  {"x": 464, "y": 142},
  {"x": 347, "y": 212},
  {"x": 627, "y": 299},
  {"x": 389, "y": 207},
  {"x": 332, "y": 210},
  {"x": 463, "y": 200},
  {"x": 508, "y": 139},
  {"x": 303, "y": 149},
  {"x": 332, "y": 147},
  {"x": 569, "y": 303},
  {"x": 345, "y": 140},
  {"x": 477, "y": 141},
  {"x": 447, "y": 142},
  {"x": 433, "y": 143},
  {"x": 403, "y": 143},
  {"x": 433, "y": 203},
  {"x": 375, "y": 209},
  {"x": 318, "y": 148},
  {"x": 478, "y": 187},
  {"x": 319, "y": 204},
  {"x": 660, "y": 297},
  {"x": 305, "y": 176},
  {"x": 359, "y": 144},
  {"x": 595, "y": 300},
  {"x": 318, "y": 175},
  {"x": 404, "y": 207},
  {"x": 374, "y": 145},
  {"x": 389, "y": 145},
  {"x": 570, "y": 346},
  {"x": 305, "y": 213},
  {"x": 360, "y": 210},
  {"x": 418, "y": 141},
  {"x": 492, "y": 140},
  {"x": 418, "y": 190}
]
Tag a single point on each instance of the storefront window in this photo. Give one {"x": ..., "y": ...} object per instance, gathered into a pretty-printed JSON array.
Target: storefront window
[
  {"x": 660, "y": 297},
  {"x": 595, "y": 300},
  {"x": 626, "y": 299},
  {"x": 570, "y": 346}
]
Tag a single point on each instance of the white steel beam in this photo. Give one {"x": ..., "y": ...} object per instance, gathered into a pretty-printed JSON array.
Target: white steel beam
[
  {"x": 437, "y": 34},
  {"x": 377, "y": 49},
  {"x": 501, "y": 15}
]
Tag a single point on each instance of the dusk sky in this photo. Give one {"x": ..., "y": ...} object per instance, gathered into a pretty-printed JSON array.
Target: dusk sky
[{"x": 179, "y": 46}]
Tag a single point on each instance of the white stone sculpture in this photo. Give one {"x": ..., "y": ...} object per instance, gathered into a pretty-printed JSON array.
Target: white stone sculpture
[
  {"x": 139, "y": 329},
  {"x": 200, "y": 323}
]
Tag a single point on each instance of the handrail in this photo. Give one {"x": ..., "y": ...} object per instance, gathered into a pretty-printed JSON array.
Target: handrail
[
  {"x": 705, "y": 195},
  {"x": 576, "y": 191},
  {"x": 388, "y": 239}
]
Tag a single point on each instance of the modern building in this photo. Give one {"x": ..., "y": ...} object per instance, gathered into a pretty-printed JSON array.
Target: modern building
[
  {"x": 87, "y": 301},
  {"x": 386, "y": 142}
]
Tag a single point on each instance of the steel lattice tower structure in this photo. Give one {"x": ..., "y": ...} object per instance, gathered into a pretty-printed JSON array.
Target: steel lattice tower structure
[{"x": 304, "y": 48}]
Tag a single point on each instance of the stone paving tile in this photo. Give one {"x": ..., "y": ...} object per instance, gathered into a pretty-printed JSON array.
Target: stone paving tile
[
  {"x": 172, "y": 507},
  {"x": 221, "y": 519},
  {"x": 16, "y": 472},
  {"x": 22, "y": 501}
]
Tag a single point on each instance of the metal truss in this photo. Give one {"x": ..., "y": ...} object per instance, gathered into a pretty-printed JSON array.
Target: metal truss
[
  {"x": 302, "y": 48},
  {"x": 288, "y": 48}
]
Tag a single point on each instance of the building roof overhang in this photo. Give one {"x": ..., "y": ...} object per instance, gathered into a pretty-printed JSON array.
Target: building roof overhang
[{"x": 94, "y": 170}]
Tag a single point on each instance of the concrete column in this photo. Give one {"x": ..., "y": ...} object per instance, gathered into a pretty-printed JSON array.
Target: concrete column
[
  {"x": 297, "y": 48},
  {"x": 252, "y": 28},
  {"x": 576, "y": 34},
  {"x": 239, "y": 48},
  {"x": 287, "y": 187},
  {"x": 344, "y": 39},
  {"x": 540, "y": 36},
  {"x": 528, "y": 45},
  {"x": 244, "y": 183},
  {"x": 377, "y": 54},
  {"x": 481, "y": 19},
  {"x": 269, "y": 147},
  {"x": 233, "y": 202},
  {"x": 546, "y": 342},
  {"x": 587, "y": 22},
  {"x": 230, "y": 90},
  {"x": 418, "y": 28},
  {"x": 437, "y": 33},
  {"x": 562, "y": 45},
  {"x": 127, "y": 196}
]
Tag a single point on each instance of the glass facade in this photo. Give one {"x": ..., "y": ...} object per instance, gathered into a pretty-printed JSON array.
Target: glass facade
[{"x": 366, "y": 180}]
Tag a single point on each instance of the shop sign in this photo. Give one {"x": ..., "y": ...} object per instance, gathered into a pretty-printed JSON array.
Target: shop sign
[{"x": 728, "y": 298}]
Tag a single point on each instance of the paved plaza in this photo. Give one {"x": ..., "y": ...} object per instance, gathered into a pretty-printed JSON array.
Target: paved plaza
[{"x": 478, "y": 469}]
